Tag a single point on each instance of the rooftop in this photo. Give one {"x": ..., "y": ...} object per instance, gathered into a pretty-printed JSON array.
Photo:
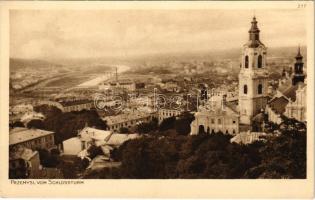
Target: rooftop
[
  {"x": 75, "y": 102},
  {"x": 23, "y": 153},
  {"x": 117, "y": 139},
  {"x": 278, "y": 104},
  {"x": 19, "y": 135},
  {"x": 125, "y": 117},
  {"x": 289, "y": 90},
  {"x": 92, "y": 133}
]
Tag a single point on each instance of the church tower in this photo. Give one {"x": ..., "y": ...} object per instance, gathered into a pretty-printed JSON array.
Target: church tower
[
  {"x": 253, "y": 76},
  {"x": 298, "y": 75}
]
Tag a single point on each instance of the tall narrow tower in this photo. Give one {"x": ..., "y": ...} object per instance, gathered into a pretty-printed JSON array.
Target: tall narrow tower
[
  {"x": 253, "y": 76},
  {"x": 298, "y": 75}
]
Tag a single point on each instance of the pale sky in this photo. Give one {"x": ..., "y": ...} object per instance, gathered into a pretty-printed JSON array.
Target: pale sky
[{"x": 92, "y": 33}]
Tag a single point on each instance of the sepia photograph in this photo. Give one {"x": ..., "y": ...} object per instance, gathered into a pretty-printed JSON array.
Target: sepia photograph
[{"x": 162, "y": 93}]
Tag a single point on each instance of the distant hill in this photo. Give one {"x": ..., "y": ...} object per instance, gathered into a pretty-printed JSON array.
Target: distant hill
[
  {"x": 18, "y": 63},
  {"x": 232, "y": 54},
  {"x": 83, "y": 63}
]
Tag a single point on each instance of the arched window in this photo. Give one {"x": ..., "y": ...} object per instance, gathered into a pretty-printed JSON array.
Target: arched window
[
  {"x": 259, "y": 61},
  {"x": 260, "y": 87},
  {"x": 245, "y": 89},
  {"x": 246, "y": 61}
]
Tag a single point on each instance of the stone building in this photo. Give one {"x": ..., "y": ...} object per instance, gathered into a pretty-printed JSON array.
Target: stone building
[
  {"x": 127, "y": 120},
  {"x": 253, "y": 77},
  {"x": 77, "y": 105},
  {"x": 31, "y": 138},
  {"x": 23, "y": 163},
  {"x": 290, "y": 97}
]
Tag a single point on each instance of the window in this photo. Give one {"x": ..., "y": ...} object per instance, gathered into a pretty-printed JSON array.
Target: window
[
  {"x": 260, "y": 89},
  {"x": 245, "y": 89},
  {"x": 212, "y": 121},
  {"x": 233, "y": 121},
  {"x": 259, "y": 61},
  {"x": 246, "y": 61},
  {"x": 219, "y": 121}
]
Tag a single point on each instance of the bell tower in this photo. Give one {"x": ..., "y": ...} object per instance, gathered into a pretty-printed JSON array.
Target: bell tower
[
  {"x": 253, "y": 76},
  {"x": 298, "y": 75}
]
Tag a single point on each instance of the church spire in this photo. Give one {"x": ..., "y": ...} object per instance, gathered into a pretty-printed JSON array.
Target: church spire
[
  {"x": 299, "y": 56},
  {"x": 254, "y": 34},
  {"x": 298, "y": 68}
]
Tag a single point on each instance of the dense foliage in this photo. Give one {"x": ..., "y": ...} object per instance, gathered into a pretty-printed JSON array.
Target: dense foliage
[
  {"x": 66, "y": 125},
  {"x": 16, "y": 124},
  {"x": 147, "y": 127},
  {"x": 49, "y": 159},
  {"x": 212, "y": 156}
]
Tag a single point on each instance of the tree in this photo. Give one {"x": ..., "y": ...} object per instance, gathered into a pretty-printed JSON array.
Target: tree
[
  {"x": 94, "y": 151},
  {"x": 167, "y": 123},
  {"x": 66, "y": 125},
  {"x": 147, "y": 126},
  {"x": 123, "y": 130},
  {"x": 17, "y": 124},
  {"x": 212, "y": 156},
  {"x": 47, "y": 159},
  {"x": 182, "y": 124},
  {"x": 36, "y": 123},
  {"x": 283, "y": 156}
]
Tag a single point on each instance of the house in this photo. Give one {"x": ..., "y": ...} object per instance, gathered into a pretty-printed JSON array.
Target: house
[
  {"x": 21, "y": 108},
  {"x": 86, "y": 137},
  {"x": 94, "y": 136},
  {"x": 77, "y": 105},
  {"x": 275, "y": 108},
  {"x": 72, "y": 146},
  {"x": 91, "y": 136},
  {"x": 31, "y": 138},
  {"x": 168, "y": 112},
  {"x": 297, "y": 109},
  {"x": 127, "y": 120},
  {"x": 23, "y": 163},
  {"x": 27, "y": 117}
]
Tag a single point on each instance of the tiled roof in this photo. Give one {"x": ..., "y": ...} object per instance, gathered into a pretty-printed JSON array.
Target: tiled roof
[
  {"x": 232, "y": 105},
  {"x": 289, "y": 90},
  {"x": 278, "y": 104},
  {"x": 23, "y": 135}
]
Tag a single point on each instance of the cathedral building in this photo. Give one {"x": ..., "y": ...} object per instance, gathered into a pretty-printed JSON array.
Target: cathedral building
[
  {"x": 254, "y": 100},
  {"x": 216, "y": 116}
]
